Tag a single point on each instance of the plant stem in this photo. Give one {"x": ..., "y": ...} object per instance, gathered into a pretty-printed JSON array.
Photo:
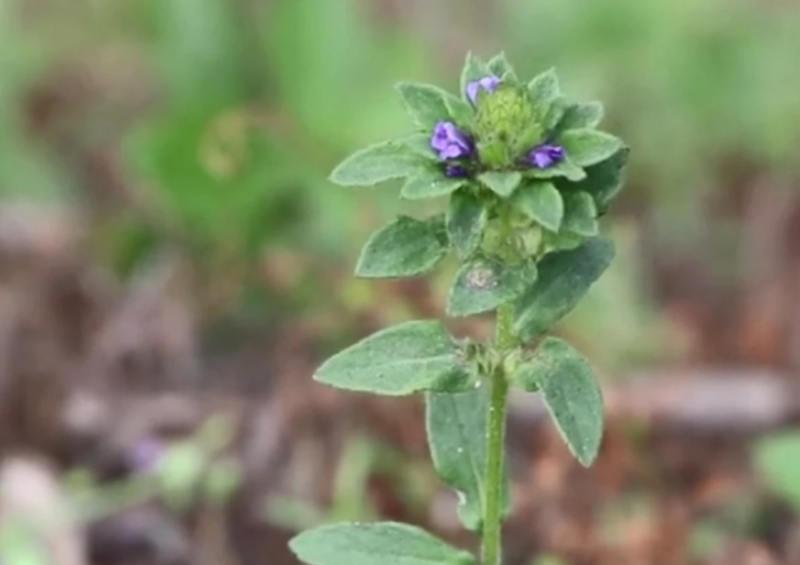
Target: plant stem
[{"x": 495, "y": 448}]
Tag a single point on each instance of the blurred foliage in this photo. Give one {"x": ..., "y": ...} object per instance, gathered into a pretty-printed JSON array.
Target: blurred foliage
[
  {"x": 688, "y": 82},
  {"x": 777, "y": 458}
]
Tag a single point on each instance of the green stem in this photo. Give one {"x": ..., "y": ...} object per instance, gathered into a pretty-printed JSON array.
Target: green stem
[{"x": 495, "y": 448}]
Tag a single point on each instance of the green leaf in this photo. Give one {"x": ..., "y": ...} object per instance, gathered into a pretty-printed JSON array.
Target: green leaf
[
  {"x": 425, "y": 103},
  {"x": 502, "y": 183},
  {"x": 474, "y": 69},
  {"x": 401, "y": 360},
  {"x": 420, "y": 143},
  {"x": 502, "y": 68},
  {"x": 405, "y": 248},
  {"x": 570, "y": 391},
  {"x": 580, "y": 214},
  {"x": 564, "y": 277},
  {"x": 386, "y": 543},
  {"x": 566, "y": 169},
  {"x": 483, "y": 284},
  {"x": 460, "y": 111},
  {"x": 777, "y": 458},
  {"x": 456, "y": 425},
  {"x": 561, "y": 241},
  {"x": 544, "y": 88},
  {"x": 579, "y": 116},
  {"x": 588, "y": 147},
  {"x": 466, "y": 220},
  {"x": 605, "y": 180},
  {"x": 430, "y": 184},
  {"x": 377, "y": 163},
  {"x": 554, "y": 114},
  {"x": 541, "y": 202}
]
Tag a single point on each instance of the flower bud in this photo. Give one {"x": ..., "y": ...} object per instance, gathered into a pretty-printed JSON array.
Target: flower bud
[{"x": 506, "y": 126}]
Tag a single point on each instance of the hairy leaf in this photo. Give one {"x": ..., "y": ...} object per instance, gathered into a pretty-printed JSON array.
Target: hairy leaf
[
  {"x": 564, "y": 277},
  {"x": 580, "y": 216},
  {"x": 387, "y": 543},
  {"x": 502, "y": 183},
  {"x": 483, "y": 284},
  {"x": 541, "y": 202},
  {"x": 456, "y": 426},
  {"x": 378, "y": 163},
  {"x": 425, "y": 103},
  {"x": 405, "y": 248},
  {"x": 544, "y": 88},
  {"x": 466, "y": 220},
  {"x": 569, "y": 389},
  {"x": 586, "y": 147},
  {"x": 430, "y": 184},
  {"x": 401, "y": 360},
  {"x": 579, "y": 116}
]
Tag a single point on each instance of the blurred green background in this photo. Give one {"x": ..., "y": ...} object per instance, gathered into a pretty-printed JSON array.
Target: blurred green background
[
  {"x": 207, "y": 128},
  {"x": 211, "y": 125}
]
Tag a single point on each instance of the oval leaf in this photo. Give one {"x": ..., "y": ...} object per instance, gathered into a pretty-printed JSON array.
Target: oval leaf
[
  {"x": 570, "y": 391},
  {"x": 420, "y": 143},
  {"x": 605, "y": 180},
  {"x": 483, "y": 284},
  {"x": 564, "y": 277},
  {"x": 554, "y": 114},
  {"x": 580, "y": 215},
  {"x": 587, "y": 147},
  {"x": 430, "y": 184},
  {"x": 456, "y": 426},
  {"x": 466, "y": 220},
  {"x": 405, "y": 248},
  {"x": 425, "y": 103},
  {"x": 378, "y": 163},
  {"x": 579, "y": 116},
  {"x": 501, "y": 67},
  {"x": 387, "y": 543},
  {"x": 541, "y": 202},
  {"x": 401, "y": 360},
  {"x": 544, "y": 88},
  {"x": 502, "y": 183}
]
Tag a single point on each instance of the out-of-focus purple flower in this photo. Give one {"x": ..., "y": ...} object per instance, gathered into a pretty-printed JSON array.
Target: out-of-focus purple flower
[
  {"x": 450, "y": 142},
  {"x": 456, "y": 171},
  {"x": 488, "y": 83},
  {"x": 546, "y": 156},
  {"x": 146, "y": 455}
]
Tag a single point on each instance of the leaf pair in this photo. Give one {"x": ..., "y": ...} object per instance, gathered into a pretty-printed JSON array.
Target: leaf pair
[
  {"x": 556, "y": 370},
  {"x": 573, "y": 212},
  {"x": 422, "y": 356}
]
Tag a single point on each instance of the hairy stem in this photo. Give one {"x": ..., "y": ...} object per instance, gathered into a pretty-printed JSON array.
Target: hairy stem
[{"x": 495, "y": 448}]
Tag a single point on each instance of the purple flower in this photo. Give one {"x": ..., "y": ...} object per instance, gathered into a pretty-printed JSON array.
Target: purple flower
[
  {"x": 455, "y": 171},
  {"x": 450, "y": 142},
  {"x": 546, "y": 156},
  {"x": 488, "y": 83}
]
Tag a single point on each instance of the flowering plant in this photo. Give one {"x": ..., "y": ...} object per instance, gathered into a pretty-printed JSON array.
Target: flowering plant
[{"x": 527, "y": 175}]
